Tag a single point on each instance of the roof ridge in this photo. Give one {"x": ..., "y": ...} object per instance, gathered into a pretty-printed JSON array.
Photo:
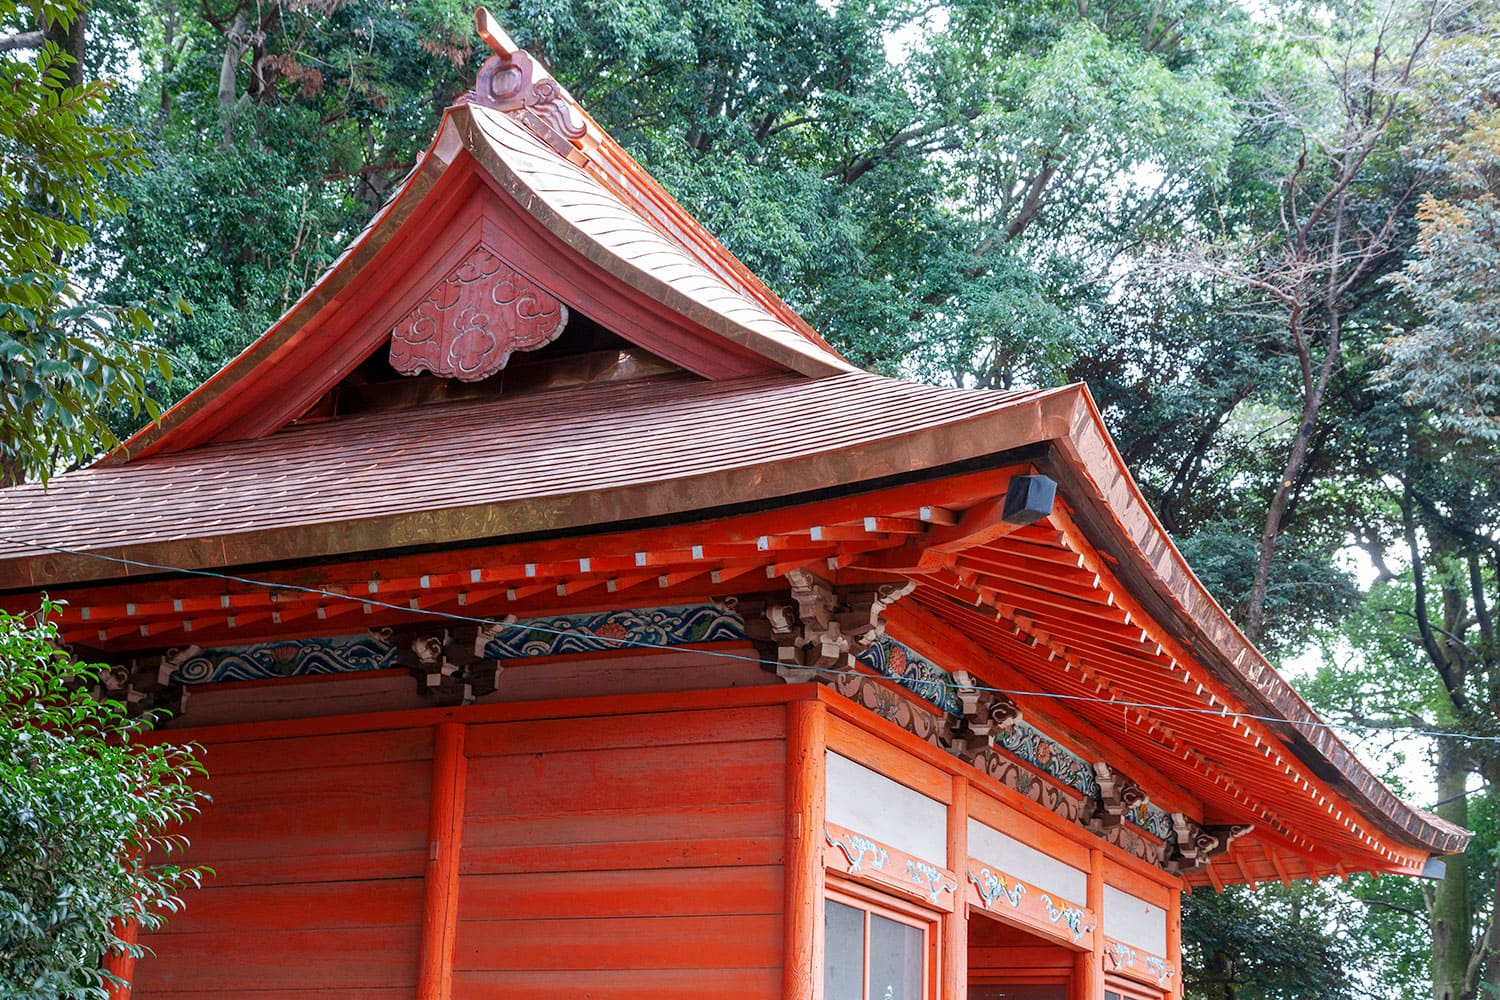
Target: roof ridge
[{"x": 515, "y": 82}]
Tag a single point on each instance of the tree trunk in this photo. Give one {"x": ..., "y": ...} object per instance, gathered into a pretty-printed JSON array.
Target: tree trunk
[
  {"x": 1451, "y": 915},
  {"x": 236, "y": 42},
  {"x": 1255, "y": 612},
  {"x": 70, "y": 40}
]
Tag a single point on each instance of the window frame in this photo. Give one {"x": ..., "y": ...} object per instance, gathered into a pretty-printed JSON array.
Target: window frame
[
  {"x": 1129, "y": 989},
  {"x": 862, "y": 897}
]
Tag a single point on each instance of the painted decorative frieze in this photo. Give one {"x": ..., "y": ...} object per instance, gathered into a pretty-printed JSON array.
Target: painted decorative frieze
[
  {"x": 856, "y": 849},
  {"x": 1068, "y": 916},
  {"x": 1049, "y": 756},
  {"x": 993, "y": 888},
  {"x": 1042, "y": 910},
  {"x": 294, "y": 658},
  {"x": 917, "y": 674},
  {"x": 451, "y": 666},
  {"x": 468, "y": 326},
  {"x": 1142, "y": 965},
  {"x": 616, "y": 630},
  {"x": 869, "y": 859},
  {"x": 932, "y": 880},
  {"x": 877, "y": 697}
]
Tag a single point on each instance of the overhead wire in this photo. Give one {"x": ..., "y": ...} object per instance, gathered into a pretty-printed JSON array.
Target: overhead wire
[{"x": 625, "y": 642}]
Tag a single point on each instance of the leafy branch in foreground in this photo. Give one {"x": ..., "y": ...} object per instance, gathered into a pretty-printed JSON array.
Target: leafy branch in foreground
[
  {"x": 66, "y": 364},
  {"x": 87, "y": 819}
]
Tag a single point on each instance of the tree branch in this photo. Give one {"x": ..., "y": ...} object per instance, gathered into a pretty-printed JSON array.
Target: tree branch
[{"x": 22, "y": 40}]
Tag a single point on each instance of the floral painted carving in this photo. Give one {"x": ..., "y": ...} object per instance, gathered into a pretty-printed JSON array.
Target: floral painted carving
[
  {"x": 880, "y": 699},
  {"x": 467, "y": 327},
  {"x": 992, "y": 886},
  {"x": 930, "y": 878},
  {"x": 1070, "y": 917},
  {"x": 917, "y": 674},
  {"x": 855, "y": 848},
  {"x": 1159, "y": 968}
]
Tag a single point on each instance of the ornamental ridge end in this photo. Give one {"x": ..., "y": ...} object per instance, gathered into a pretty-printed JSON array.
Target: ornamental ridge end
[{"x": 513, "y": 82}]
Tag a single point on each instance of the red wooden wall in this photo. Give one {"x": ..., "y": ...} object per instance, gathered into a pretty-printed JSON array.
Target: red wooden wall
[
  {"x": 611, "y": 856},
  {"x": 318, "y": 846},
  {"x": 626, "y": 857}
]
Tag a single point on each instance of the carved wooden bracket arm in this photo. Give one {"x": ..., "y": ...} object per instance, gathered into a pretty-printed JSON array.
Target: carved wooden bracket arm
[{"x": 450, "y": 666}]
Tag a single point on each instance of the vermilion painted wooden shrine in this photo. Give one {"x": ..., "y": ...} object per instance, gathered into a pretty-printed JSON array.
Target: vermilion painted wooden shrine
[{"x": 563, "y": 618}]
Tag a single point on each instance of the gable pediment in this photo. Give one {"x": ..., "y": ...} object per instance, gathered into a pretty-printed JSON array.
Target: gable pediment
[{"x": 567, "y": 244}]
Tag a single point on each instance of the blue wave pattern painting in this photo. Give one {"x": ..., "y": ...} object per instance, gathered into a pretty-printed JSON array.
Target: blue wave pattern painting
[
  {"x": 613, "y": 630},
  {"x": 911, "y": 670},
  {"x": 299, "y": 658}
]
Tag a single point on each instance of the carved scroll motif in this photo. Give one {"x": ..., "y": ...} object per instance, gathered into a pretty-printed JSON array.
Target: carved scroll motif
[
  {"x": 480, "y": 313},
  {"x": 451, "y": 668},
  {"x": 1197, "y": 845}
]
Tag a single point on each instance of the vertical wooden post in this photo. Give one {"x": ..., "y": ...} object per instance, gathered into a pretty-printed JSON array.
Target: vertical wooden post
[
  {"x": 1174, "y": 940},
  {"x": 955, "y": 970},
  {"x": 444, "y": 838},
  {"x": 122, "y": 963},
  {"x": 1088, "y": 967},
  {"x": 806, "y": 745}
]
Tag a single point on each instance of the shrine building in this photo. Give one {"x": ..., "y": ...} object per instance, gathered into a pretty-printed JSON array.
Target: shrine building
[{"x": 562, "y": 617}]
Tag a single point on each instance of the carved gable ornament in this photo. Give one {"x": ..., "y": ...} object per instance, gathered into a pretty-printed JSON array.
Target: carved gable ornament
[{"x": 467, "y": 327}]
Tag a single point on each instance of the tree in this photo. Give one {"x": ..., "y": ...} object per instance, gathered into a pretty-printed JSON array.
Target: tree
[
  {"x": 66, "y": 359},
  {"x": 87, "y": 818},
  {"x": 1336, "y": 224},
  {"x": 960, "y": 192},
  {"x": 1231, "y": 951}
]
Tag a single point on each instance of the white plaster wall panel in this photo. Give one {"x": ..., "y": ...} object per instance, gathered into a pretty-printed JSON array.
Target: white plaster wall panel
[
  {"x": 868, "y": 802},
  {"x": 1134, "y": 921},
  {"x": 1027, "y": 863}
]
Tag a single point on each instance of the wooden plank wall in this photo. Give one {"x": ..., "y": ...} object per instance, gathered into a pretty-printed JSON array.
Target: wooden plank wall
[
  {"x": 624, "y": 858},
  {"x": 318, "y": 847},
  {"x": 612, "y": 856}
]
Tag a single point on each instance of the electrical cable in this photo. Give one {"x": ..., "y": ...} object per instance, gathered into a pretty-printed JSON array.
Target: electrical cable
[{"x": 627, "y": 643}]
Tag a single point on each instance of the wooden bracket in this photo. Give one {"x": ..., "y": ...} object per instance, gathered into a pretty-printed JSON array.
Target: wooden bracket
[{"x": 449, "y": 666}]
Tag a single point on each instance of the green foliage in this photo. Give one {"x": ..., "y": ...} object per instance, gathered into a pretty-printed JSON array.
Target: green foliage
[
  {"x": 55, "y": 153},
  {"x": 1269, "y": 943},
  {"x": 971, "y": 193},
  {"x": 1450, "y": 362},
  {"x": 88, "y": 818},
  {"x": 66, "y": 363}
]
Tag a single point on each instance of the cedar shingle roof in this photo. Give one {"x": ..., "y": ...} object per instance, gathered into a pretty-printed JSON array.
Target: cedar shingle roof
[{"x": 480, "y": 462}]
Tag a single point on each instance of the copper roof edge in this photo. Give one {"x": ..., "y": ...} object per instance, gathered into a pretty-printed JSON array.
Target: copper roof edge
[
  {"x": 1016, "y": 422},
  {"x": 1092, "y": 451},
  {"x": 816, "y": 360}
]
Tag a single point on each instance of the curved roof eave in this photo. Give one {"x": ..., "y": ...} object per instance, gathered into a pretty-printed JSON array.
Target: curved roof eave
[{"x": 1120, "y": 524}]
